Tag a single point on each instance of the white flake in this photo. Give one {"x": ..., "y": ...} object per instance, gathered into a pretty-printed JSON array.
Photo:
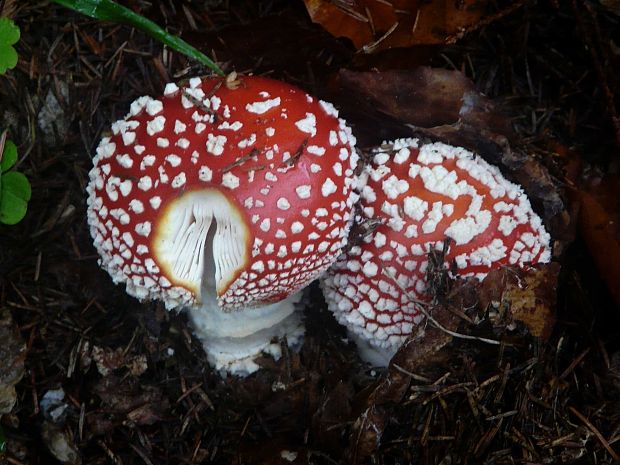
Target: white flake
[
  {"x": 215, "y": 144},
  {"x": 128, "y": 137},
  {"x": 155, "y": 125},
  {"x": 183, "y": 143},
  {"x": 136, "y": 206},
  {"x": 173, "y": 159},
  {"x": 179, "y": 180},
  {"x": 328, "y": 187},
  {"x": 125, "y": 187},
  {"x": 143, "y": 229},
  {"x": 316, "y": 150},
  {"x": 262, "y": 107},
  {"x": 230, "y": 180},
  {"x": 205, "y": 174},
  {"x": 308, "y": 124},
  {"x": 124, "y": 160},
  {"x": 148, "y": 160},
  {"x": 170, "y": 88},
  {"x": 303, "y": 191},
  {"x": 154, "y": 106},
  {"x": 329, "y": 108},
  {"x": 283, "y": 204},
  {"x": 179, "y": 127}
]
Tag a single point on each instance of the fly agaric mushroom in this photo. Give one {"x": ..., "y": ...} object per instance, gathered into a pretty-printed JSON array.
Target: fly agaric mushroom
[
  {"x": 420, "y": 196},
  {"x": 227, "y": 200}
]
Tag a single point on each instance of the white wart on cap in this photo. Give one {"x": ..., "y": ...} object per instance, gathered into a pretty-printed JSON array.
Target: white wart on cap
[
  {"x": 248, "y": 189},
  {"x": 421, "y": 196}
]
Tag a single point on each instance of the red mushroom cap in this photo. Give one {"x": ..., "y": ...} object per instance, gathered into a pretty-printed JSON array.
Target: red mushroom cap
[
  {"x": 423, "y": 195},
  {"x": 263, "y": 170}
]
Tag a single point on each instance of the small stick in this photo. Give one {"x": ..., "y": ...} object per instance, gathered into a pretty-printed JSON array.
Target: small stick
[{"x": 597, "y": 433}]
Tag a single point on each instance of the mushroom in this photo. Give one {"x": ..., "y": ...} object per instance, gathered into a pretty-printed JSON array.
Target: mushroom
[
  {"x": 226, "y": 200},
  {"x": 419, "y": 196}
]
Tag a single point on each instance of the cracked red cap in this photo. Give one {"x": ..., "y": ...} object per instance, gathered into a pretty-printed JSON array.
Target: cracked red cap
[
  {"x": 422, "y": 195},
  {"x": 260, "y": 177}
]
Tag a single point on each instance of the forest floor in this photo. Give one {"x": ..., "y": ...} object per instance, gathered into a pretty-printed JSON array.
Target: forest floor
[{"x": 107, "y": 379}]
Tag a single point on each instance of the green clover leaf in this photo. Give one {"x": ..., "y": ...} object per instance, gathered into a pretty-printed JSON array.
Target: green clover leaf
[
  {"x": 9, "y": 156},
  {"x": 9, "y": 35},
  {"x": 15, "y": 191},
  {"x": 14, "y": 195}
]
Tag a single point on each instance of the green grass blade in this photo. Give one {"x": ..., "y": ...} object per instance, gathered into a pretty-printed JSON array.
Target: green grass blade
[{"x": 107, "y": 10}]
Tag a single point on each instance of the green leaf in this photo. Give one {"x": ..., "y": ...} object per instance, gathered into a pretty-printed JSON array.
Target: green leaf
[
  {"x": 108, "y": 10},
  {"x": 9, "y": 156},
  {"x": 9, "y": 32},
  {"x": 17, "y": 184},
  {"x": 15, "y": 193},
  {"x": 9, "y": 35}
]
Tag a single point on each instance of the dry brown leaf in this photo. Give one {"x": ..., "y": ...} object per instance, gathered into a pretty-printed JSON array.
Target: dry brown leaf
[
  {"x": 61, "y": 443},
  {"x": 444, "y": 105},
  {"x": 374, "y": 25},
  {"x": 527, "y": 297},
  {"x": 599, "y": 223},
  {"x": 126, "y": 398},
  {"x": 108, "y": 360},
  {"x": 12, "y": 356}
]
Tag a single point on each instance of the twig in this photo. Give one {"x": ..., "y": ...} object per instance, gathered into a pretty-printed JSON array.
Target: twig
[
  {"x": 597, "y": 433},
  {"x": 429, "y": 317}
]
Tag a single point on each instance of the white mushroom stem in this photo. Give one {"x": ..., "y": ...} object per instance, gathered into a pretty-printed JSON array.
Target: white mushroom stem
[
  {"x": 376, "y": 356},
  {"x": 233, "y": 339}
]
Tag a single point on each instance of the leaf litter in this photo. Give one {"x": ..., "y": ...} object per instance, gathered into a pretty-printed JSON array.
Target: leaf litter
[{"x": 137, "y": 386}]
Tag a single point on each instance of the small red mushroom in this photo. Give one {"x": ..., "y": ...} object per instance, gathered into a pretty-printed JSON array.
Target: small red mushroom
[
  {"x": 227, "y": 201},
  {"x": 422, "y": 195}
]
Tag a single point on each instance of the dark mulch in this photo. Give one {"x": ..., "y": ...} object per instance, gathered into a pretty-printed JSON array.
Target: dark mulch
[{"x": 138, "y": 388}]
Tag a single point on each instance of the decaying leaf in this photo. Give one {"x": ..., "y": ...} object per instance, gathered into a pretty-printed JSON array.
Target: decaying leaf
[
  {"x": 444, "y": 105},
  {"x": 599, "y": 223},
  {"x": 378, "y": 25},
  {"x": 524, "y": 297},
  {"x": 108, "y": 360},
  {"x": 126, "y": 399},
  {"x": 12, "y": 356},
  {"x": 425, "y": 97},
  {"x": 60, "y": 443},
  {"x": 367, "y": 432}
]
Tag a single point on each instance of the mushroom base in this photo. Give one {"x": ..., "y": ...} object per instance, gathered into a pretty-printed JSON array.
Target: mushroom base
[
  {"x": 371, "y": 354},
  {"x": 234, "y": 339}
]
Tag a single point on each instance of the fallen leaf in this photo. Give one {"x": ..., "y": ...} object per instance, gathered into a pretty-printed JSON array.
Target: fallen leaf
[
  {"x": 367, "y": 432},
  {"x": 127, "y": 399},
  {"x": 424, "y": 97},
  {"x": 13, "y": 355},
  {"x": 599, "y": 223},
  {"x": 527, "y": 297},
  {"x": 60, "y": 443},
  {"x": 444, "y": 105},
  {"x": 108, "y": 360},
  {"x": 374, "y": 25}
]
